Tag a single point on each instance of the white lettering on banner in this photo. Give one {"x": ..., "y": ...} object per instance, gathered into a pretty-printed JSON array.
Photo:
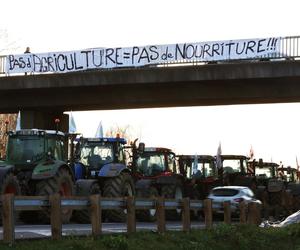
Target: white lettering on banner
[{"x": 101, "y": 58}]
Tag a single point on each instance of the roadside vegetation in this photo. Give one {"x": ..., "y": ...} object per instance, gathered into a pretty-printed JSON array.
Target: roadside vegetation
[{"x": 221, "y": 237}]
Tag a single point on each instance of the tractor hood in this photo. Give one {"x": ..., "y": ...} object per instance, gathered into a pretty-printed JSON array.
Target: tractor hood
[
  {"x": 109, "y": 170},
  {"x": 46, "y": 169}
]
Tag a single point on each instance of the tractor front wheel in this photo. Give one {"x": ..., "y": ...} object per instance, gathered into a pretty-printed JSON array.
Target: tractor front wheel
[
  {"x": 172, "y": 192},
  {"x": 61, "y": 183},
  {"x": 149, "y": 214}
]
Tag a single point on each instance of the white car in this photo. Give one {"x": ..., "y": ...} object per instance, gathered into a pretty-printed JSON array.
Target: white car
[{"x": 234, "y": 194}]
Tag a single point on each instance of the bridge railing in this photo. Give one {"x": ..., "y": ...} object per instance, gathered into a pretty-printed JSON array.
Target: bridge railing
[
  {"x": 289, "y": 49},
  {"x": 55, "y": 203}
]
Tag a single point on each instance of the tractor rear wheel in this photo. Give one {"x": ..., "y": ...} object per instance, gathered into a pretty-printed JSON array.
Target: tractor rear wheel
[
  {"x": 150, "y": 214},
  {"x": 61, "y": 183},
  {"x": 83, "y": 216},
  {"x": 172, "y": 192},
  {"x": 10, "y": 185},
  {"x": 119, "y": 186}
]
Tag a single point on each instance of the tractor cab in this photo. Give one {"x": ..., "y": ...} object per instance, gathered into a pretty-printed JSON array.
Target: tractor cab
[
  {"x": 32, "y": 146},
  {"x": 93, "y": 153},
  {"x": 198, "y": 167},
  {"x": 200, "y": 174},
  {"x": 153, "y": 162},
  {"x": 265, "y": 171},
  {"x": 235, "y": 170},
  {"x": 287, "y": 174}
]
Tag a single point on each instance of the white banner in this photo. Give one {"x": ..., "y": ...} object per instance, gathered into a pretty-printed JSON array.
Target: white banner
[{"x": 101, "y": 58}]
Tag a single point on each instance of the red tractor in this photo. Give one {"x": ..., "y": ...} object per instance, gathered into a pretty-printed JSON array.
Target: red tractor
[
  {"x": 200, "y": 174},
  {"x": 155, "y": 173}
]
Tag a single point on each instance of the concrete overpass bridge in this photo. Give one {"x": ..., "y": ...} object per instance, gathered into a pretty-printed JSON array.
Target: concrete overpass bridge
[{"x": 43, "y": 97}]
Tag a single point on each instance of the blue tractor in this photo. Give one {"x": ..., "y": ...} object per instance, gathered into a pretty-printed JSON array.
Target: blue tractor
[{"x": 101, "y": 168}]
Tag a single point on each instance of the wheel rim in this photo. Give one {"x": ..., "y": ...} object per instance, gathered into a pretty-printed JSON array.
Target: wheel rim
[
  {"x": 154, "y": 194},
  {"x": 178, "y": 196},
  {"x": 128, "y": 192}
]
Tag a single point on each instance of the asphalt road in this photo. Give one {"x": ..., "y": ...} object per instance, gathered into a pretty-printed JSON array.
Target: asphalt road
[{"x": 44, "y": 231}]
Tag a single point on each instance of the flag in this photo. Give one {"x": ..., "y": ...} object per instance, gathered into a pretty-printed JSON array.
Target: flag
[
  {"x": 219, "y": 158},
  {"x": 195, "y": 165},
  {"x": 72, "y": 125},
  {"x": 251, "y": 153},
  {"x": 18, "y": 125},
  {"x": 99, "y": 132}
]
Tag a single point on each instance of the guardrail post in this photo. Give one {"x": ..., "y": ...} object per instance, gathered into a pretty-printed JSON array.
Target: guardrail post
[
  {"x": 55, "y": 217},
  {"x": 254, "y": 214},
  {"x": 96, "y": 215},
  {"x": 227, "y": 212},
  {"x": 243, "y": 216},
  {"x": 131, "y": 222},
  {"x": 186, "y": 215},
  {"x": 8, "y": 218},
  {"x": 160, "y": 214},
  {"x": 208, "y": 213}
]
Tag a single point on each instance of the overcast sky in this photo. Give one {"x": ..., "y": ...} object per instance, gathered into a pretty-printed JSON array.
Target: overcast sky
[{"x": 73, "y": 25}]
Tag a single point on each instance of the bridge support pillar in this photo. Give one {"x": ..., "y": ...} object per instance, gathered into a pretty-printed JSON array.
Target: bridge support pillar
[{"x": 44, "y": 120}]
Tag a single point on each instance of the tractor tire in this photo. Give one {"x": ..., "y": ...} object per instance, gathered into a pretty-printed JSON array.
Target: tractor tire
[
  {"x": 83, "y": 216},
  {"x": 61, "y": 183},
  {"x": 10, "y": 185},
  {"x": 119, "y": 186},
  {"x": 147, "y": 215},
  {"x": 172, "y": 192}
]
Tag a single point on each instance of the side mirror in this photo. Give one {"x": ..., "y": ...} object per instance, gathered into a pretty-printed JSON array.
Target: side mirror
[{"x": 141, "y": 147}]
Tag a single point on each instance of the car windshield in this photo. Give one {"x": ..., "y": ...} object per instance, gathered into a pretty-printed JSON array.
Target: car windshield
[
  {"x": 95, "y": 155},
  {"x": 225, "y": 192},
  {"x": 151, "y": 164},
  {"x": 25, "y": 149}
]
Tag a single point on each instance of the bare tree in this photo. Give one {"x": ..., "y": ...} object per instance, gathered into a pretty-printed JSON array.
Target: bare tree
[
  {"x": 7, "y": 122},
  {"x": 6, "y": 44},
  {"x": 126, "y": 132}
]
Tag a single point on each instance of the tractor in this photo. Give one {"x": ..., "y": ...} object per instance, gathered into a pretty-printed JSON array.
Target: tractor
[
  {"x": 36, "y": 164},
  {"x": 101, "y": 168},
  {"x": 290, "y": 178},
  {"x": 200, "y": 174},
  {"x": 155, "y": 174},
  {"x": 235, "y": 170}
]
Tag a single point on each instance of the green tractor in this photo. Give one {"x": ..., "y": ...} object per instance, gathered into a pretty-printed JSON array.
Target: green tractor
[{"x": 36, "y": 164}]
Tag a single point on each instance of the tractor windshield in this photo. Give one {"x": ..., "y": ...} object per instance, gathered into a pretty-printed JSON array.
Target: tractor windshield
[
  {"x": 96, "y": 155},
  {"x": 25, "y": 149},
  {"x": 234, "y": 166},
  {"x": 265, "y": 172},
  {"x": 202, "y": 169},
  {"x": 151, "y": 164}
]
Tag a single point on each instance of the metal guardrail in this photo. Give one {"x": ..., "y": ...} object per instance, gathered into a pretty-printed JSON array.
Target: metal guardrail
[
  {"x": 248, "y": 213},
  {"x": 289, "y": 49}
]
